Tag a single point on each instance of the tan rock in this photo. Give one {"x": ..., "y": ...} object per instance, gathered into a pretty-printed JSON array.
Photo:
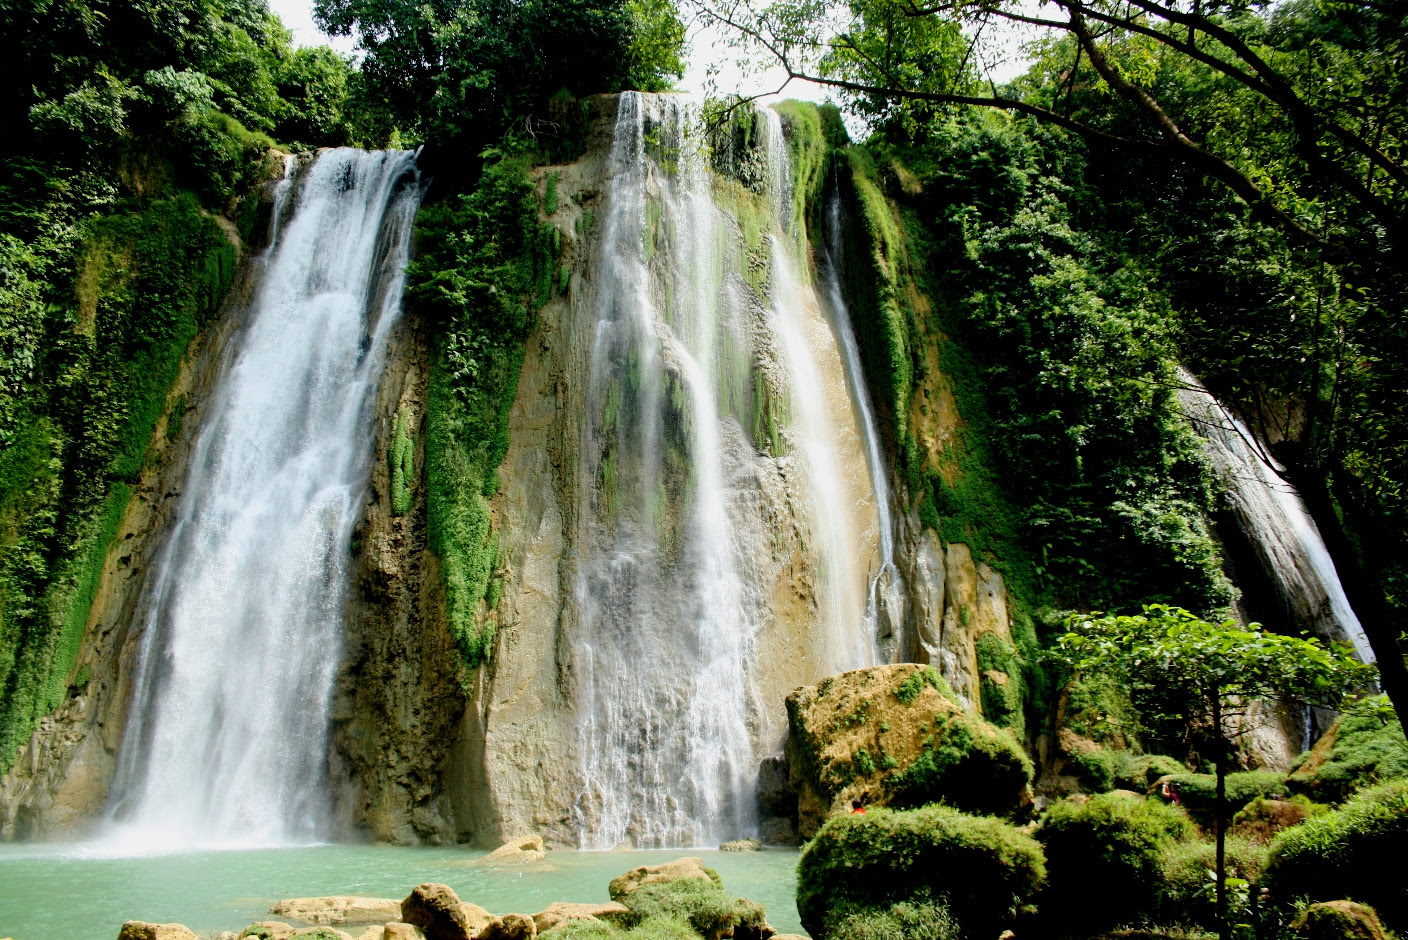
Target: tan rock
[
  {"x": 339, "y": 910},
  {"x": 268, "y": 930},
  {"x": 527, "y": 850},
  {"x": 680, "y": 868},
  {"x": 227, "y": 935},
  {"x": 141, "y": 930},
  {"x": 510, "y": 927},
  {"x": 856, "y": 736},
  {"x": 400, "y": 931},
  {"x": 1338, "y": 920},
  {"x": 742, "y": 845},
  {"x": 555, "y": 915},
  {"x": 475, "y": 916},
  {"x": 438, "y": 912},
  {"x": 374, "y": 932}
]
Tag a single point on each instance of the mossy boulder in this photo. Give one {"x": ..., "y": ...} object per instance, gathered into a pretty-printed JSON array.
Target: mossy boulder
[
  {"x": 921, "y": 920},
  {"x": 896, "y": 736},
  {"x": 1355, "y": 851},
  {"x": 662, "y": 897},
  {"x": 1366, "y": 746},
  {"x": 1197, "y": 793},
  {"x": 1105, "y": 856},
  {"x": 1338, "y": 920},
  {"x": 981, "y": 869}
]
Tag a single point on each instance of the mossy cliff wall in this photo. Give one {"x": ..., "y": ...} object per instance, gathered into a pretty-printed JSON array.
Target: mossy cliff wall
[{"x": 157, "y": 292}]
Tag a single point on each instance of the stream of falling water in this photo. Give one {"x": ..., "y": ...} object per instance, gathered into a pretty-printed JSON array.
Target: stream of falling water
[
  {"x": 669, "y": 609},
  {"x": 1275, "y": 520},
  {"x": 227, "y": 740}
]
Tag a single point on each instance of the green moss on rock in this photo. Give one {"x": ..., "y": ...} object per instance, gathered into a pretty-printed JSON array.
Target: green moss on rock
[{"x": 981, "y": 868}]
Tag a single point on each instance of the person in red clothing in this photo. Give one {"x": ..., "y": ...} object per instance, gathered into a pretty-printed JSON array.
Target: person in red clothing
[{"x": 857, "y": 808}]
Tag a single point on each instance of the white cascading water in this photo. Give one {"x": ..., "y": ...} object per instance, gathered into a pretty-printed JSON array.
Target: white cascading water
[
  {"x": 886, "y": 598},
  {"x": 228, "y": 736},
  {"x": 668, "y": 610},
  {"x": 1275, "y": 520}
]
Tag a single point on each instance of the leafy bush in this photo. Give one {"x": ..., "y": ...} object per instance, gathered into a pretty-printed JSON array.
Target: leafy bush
[
  {"x": 917, "y": 920},
  {"x": 1198, "y": 792},
  {"x": 1103, "y": 770},
  {"x": 1105, "y": 857},
  {"x": 981, "y": 868},
  {"x": 1365, "y": 746},
  {"x": 1352, "y": 852}
]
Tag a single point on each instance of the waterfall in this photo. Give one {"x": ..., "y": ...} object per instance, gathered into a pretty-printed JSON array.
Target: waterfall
[
  {"x": 668, "y": 606},
  {"x": 1276, "y": 522},
  {"x": 227, "y": 737},
  {"x": 886, "y": 598}
]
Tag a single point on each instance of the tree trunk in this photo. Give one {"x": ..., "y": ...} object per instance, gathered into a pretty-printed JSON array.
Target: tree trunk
[{"x": 1220, "y": 762}]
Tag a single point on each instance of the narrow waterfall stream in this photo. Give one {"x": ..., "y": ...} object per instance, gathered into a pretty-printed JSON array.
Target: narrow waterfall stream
[
  {"x": 1271, "y": 513},
  {"x": 669, "y": 607},
  {"x": 886, "y": 597},
  {"x": 227, "y": 740}
]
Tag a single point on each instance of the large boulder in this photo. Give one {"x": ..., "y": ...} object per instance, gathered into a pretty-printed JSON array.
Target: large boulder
[
  {"x": 528, "y": 850},
  {"x": 440, "y": 915},
  {"x": 897, "y": 736},
  {"x": 400, "y": 931},
  {"x": 141, "y": 930},
  {"x": 555, "y": 915},
  {"x": 681, "y": 869},
  {"x": 1338, "y": 920},
  {"x": 339, "y": 910}
]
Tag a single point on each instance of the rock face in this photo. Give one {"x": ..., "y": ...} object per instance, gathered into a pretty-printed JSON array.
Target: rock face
[
  {"x": 140, "y": 930},
  {"x": 339, "y": 910},
  {"x": 525, "y": 851},
  {"x": 896, "y": 735},
  {"x": 60, "y": 783},
  {"x": 438, "y": 912}
]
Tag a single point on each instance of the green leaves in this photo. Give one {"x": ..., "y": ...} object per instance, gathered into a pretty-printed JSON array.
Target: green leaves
[{"x": 1191, "y": 663}]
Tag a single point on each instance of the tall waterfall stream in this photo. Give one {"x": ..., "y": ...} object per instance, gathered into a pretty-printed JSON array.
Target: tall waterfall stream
[
  {"x": 227, "y": 743},
  {"x": 670, "y": 608}
]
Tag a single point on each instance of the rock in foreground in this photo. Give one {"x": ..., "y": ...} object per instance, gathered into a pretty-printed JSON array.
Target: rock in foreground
[
  {"x": 681, "y": 869},
  {"x": 141, "y": 930},
  {"x": 337, "y": 910},
  {"x": 560, "y": 913},
  {"x": 440, "y": 914}
]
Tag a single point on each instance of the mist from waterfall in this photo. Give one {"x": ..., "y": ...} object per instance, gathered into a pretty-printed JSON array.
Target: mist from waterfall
[
  {"x": 228, "y": 736},
  {"x": 1275, "y": 520},
  {"x": 669, "y": 611}
]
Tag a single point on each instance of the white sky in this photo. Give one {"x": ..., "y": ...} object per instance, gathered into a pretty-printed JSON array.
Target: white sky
[{"x": 706, "y": 47}]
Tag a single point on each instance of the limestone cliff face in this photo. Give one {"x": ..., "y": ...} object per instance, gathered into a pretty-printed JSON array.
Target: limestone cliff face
[{"x": 59, "y": 786}]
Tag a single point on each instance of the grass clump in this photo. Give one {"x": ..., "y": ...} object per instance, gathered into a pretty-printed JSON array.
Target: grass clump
[
  {"x": 982, "y": 869},
  {"x": 1352, "y": 852},
  {"x": 906, "y": 920},
  {"x": 1105, "y": 857},
  {"x": 705, "y": 907}
]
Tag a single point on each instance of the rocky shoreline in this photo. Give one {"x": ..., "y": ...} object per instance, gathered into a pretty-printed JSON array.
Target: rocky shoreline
[{"x": 683, "y": 896}]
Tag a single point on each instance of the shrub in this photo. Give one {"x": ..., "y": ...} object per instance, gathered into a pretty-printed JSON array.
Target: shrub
[
  {"x": 1198, "y": 792},
  {"x": 705, "y": 906},
  {"x": 1187, "y": 882},
  {"x": 1262, "y": 818},
  {"x": 1353, "y": 852},
  {"x": 981, "y": 867},
  {"x": 1104, "y": 770},
  {"x": 1364, "y": 747},
  {"x": 1105, "y": 857},
  {"x": 918, "y": 920},
  {"x": 969, "y": 763}
]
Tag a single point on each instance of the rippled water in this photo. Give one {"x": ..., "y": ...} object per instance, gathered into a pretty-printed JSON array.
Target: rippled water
[{"x": 58, "y": 896}]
